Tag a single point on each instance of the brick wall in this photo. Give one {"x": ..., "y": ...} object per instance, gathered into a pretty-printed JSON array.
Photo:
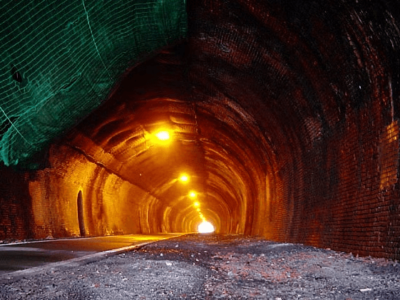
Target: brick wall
[
  {"x": 310, "y": 157},
  {"x": 345, "y": 194},
  {"x": 44, "y": 203},
  {"x": 16, "y": 216}
]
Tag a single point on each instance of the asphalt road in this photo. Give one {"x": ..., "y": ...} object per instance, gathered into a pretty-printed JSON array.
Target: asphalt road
[{"x": 14, "y": 257}]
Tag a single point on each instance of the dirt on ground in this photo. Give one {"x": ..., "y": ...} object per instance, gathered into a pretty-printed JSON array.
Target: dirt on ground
[{"x": 216, "y": 267}]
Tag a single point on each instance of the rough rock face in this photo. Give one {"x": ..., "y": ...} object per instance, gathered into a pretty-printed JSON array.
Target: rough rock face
[{"x": 284, "y": 113}]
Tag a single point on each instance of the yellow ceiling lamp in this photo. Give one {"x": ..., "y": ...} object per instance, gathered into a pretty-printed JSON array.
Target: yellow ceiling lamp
[
  {"x": 184, "y": 178},
  {"x": 163, "y": 135},
  {"x": 201, "y": 216}
]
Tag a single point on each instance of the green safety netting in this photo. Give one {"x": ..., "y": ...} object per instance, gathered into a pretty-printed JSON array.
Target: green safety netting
[{"x": 61, "y": 58}]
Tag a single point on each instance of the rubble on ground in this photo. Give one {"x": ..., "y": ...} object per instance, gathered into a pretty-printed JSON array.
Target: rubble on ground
[{"x": 215, "y": 266}]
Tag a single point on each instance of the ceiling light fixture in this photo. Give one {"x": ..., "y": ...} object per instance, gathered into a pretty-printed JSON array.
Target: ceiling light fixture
[
  {"x": 184, "y": 178},
  {"x": 163, "y": 135}
]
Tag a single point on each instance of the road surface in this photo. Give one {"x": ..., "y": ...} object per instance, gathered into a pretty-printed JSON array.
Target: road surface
[{"x": 14, "y": 257}]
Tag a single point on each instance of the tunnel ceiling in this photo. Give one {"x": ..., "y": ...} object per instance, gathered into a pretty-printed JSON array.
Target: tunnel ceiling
[
  {"x": 256, "y": 85},
  {"x": 60, "y": 60}
]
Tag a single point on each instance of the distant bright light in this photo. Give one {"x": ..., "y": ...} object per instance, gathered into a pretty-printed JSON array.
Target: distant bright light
[
  {"x": 192, "y": 195},
  {"x": 162, "y": 135},
  {"x": 205, "y": 227},
  {"x": 196, "y": 204},
  {"x": 184, "y": 178}
]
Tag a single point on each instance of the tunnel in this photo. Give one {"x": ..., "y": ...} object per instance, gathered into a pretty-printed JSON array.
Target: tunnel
[{"x": 282, "y": 115}]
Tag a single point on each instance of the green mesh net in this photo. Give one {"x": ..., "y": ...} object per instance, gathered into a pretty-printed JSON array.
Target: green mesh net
[{"x": 60, "y": 59}]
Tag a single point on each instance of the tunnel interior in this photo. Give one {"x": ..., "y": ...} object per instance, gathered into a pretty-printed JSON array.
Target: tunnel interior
[{"x": 283, "y": 115}]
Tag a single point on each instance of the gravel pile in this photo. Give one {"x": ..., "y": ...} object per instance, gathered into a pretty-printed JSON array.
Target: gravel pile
[{"x": 216, "y": 267}]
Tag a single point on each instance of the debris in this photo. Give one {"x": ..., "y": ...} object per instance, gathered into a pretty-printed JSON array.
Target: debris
[{"x": 255, "y": 271}]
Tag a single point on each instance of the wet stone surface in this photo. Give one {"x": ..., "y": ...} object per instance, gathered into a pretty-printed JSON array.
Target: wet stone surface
[{"x": 217, "y": 267}]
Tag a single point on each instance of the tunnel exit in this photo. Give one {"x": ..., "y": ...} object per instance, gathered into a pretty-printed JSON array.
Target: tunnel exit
[{"x": 205, "y": 227}]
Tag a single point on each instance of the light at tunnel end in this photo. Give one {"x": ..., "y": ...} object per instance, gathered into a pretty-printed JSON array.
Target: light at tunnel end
[{"x": 205, "y": 227}]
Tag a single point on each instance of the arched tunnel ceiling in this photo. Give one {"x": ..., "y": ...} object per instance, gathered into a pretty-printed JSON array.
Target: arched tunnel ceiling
[
  {"x": 254, "y": 86},
  {"x": 60, "y": 61}
]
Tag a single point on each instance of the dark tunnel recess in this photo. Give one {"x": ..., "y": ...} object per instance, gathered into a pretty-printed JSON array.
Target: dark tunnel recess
[{"x": 283, "y": 114}]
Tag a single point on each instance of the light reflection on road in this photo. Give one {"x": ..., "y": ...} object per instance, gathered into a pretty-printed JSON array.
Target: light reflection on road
[{"x": 21, "y": 256}]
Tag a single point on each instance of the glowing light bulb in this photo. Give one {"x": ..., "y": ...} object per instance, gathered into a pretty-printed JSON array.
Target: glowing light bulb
[
  {"x": 205, "y": 227},
  {"x": 196, "y": 204},
  {"x": 184, "y": 178},
  {"x": 162, "y": 135},
  {"x": 192, "y": 194}
]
